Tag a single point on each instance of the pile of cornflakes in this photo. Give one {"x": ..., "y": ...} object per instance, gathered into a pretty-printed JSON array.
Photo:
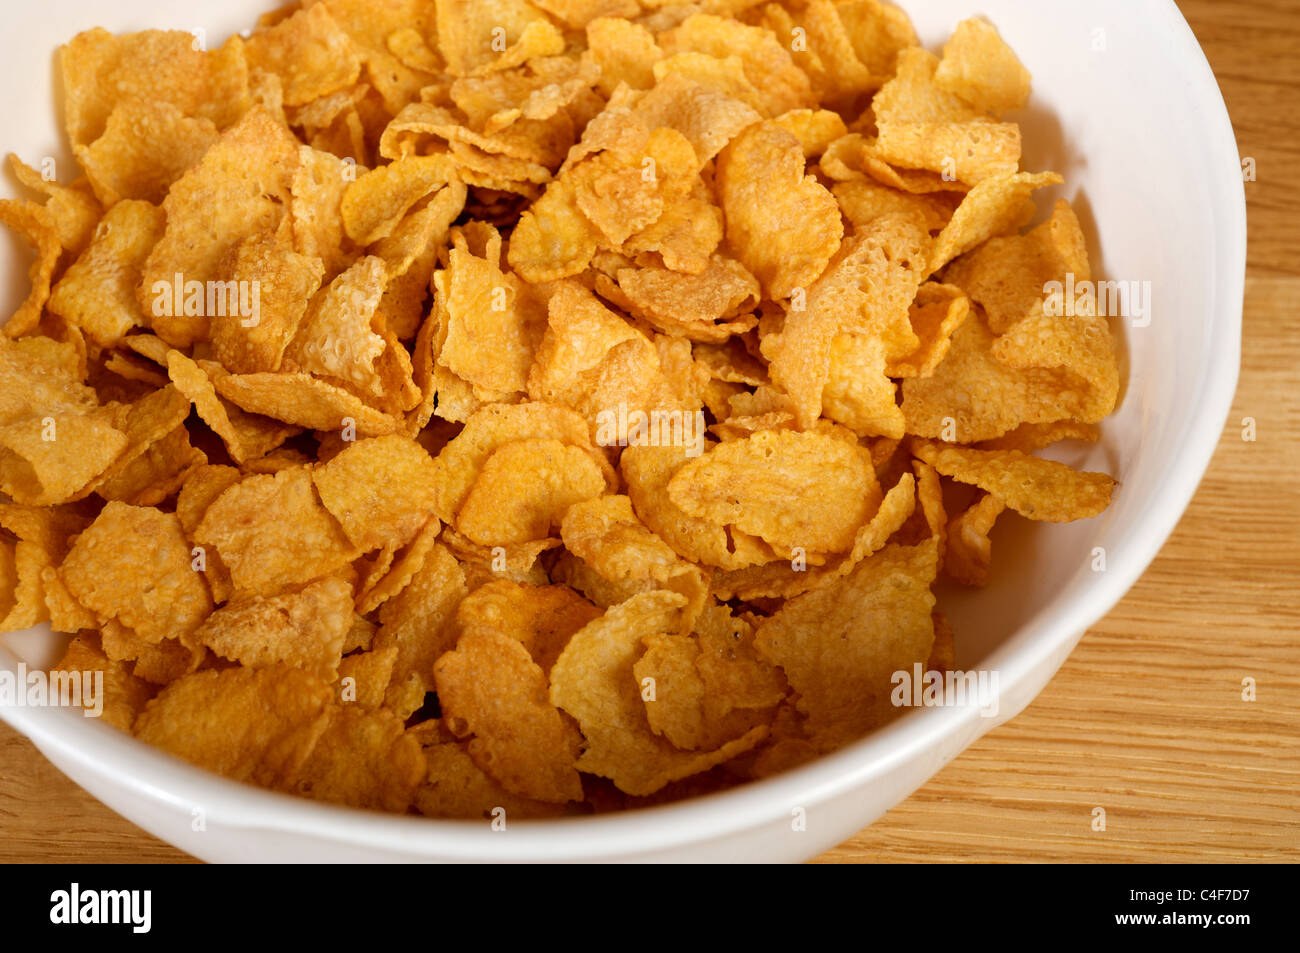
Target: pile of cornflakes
[{"x": 457, "y": 406}]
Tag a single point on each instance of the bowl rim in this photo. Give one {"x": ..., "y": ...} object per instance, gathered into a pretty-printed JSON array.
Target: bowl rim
[{"x": 1044, "y": 640}]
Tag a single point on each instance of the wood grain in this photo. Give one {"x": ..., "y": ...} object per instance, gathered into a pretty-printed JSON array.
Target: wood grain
[{"x": 1146, "y": 718}]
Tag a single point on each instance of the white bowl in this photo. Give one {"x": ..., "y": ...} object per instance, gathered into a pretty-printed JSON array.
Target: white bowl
[{"x": 1139, "y": 130}]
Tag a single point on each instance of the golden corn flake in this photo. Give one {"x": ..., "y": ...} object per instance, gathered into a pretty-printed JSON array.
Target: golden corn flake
[
  {"x": 37, "y": 228},
  {"x": 970, "y": 151},
  {"x": 973, "y": 396},
  {"x": 99, "y": 70},
  {"x": 828, "y": 55},
  {"x": 239, "y": 189},
  {"x": 866, "y": 289},
  {"x": 580, "y": 13},
  {"x": 706, "y": 113},
  {"x": 66, "y": 613},
  {"x": 159, "y": 663},
  {"x": 411, "y": 48},
  {"x": 249, "y": 724},
  {"x": 363, "y": 758},
  {"x": 375, "y": 204},
  {"x": 1030, "y": 437},
  {"x": 98, "y": 291},
  {"x": 460, "y": 463},
  {"x": 936, "y": 313},
  {"x": 858, "y": 393},
  {"x": 1008, "y": 276},
  {"x": 756, "y": 485},
  {"x": 763, "y": 188},
  {"x": 155, "y": 473},
  {"x": 593, "y": 681},
  {"x": 364, "y": 676},
  {"x": 815, "y": 129},
  {"x": 483, "y": 35},
  {"x": 124, "y": 695},
  {"x": 336, "y": 338},
  {"x": 541, "y": 618},
  {"x": 524, "y": 489},
  {"x": 374, "y": 566},
  {"x": 783, "y": 580},
  {"x": 856, "y": 157},
  {"x": 592, "y": 360},
  {"x": 244, "y": 437},
  {"x": 697, "y": 306},
  {"x": 681, "y": 706},
  {"x": 131, "y": 368},
  {"x": 146, "y": 146},
  {"x": 553, "y": 238},
  {"x": 978, "y": 66},
  {"x": 317, "y": 191},
  {"x": 734, "y": 675},
  {"x": 621, "y": 195},
  {"x": 273, "y": 533},
  {"x": 922, "y": 126},
  {"x": 685, "y": 236},
  {"x": 149, "y": 346},
  {"x": 649, "y": 472},
  {"x": 517, "y": 562},
  {"x": 625, "y": 52},
  {"x": 418, "y": 622},
  {"x": 968, "y": 550},
  {"x": 724, "y": 76},
  {"x": 788, "y": 745},
  {"x": 380, "y": 490},
  {"x": 156, "y": 438},
  {"x": 492, "y": 692},
  {"x": 360, "y": 635},
  {"x": 929, "y": 492},
  {"x": 134, "y": 564},
  {"x": 400, "y": 393},
  {"x": 304, "y": 400},
  {"x": 767, "y": 62},
  {"x": 73, "y": 209},
  {"x": 26, "y": 592},
  {"x": 879, "y": 32},
  {"x": 51, "y": 529},
  {"x": 203, "y": 486},
  {"x": 22, "y": 567},
  {"x": 41, "y": 376},
  {"x": 309, "y": 52},
  {"x": 1080, "y": 346},
  {"x": 369, "y": 26},
  {"x": 282, "y": 459},
  {"x": 55, "y": 457},
  {"x": 455, "y": 787},
  {"x": 286, "y": 282},
  {"x": 675, "y": 705},
  {"x": 996, "y": 206},
  {"x": 839, "y": 645},
  {"x": 531, "y": 113},
  {"x": 494, "y": 321},
  {"x": 1034, "y": 488},
  {"x": 863, "y": 201},
  {"x": 410, "y": 254},
  {"x": 571, "y": 571},
  {"x": 606, "y": 534},
  {"x": 304, "y": 629}
]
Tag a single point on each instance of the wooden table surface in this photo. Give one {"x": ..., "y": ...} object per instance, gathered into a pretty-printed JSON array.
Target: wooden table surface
[{"x": 1187, "y": 770}]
